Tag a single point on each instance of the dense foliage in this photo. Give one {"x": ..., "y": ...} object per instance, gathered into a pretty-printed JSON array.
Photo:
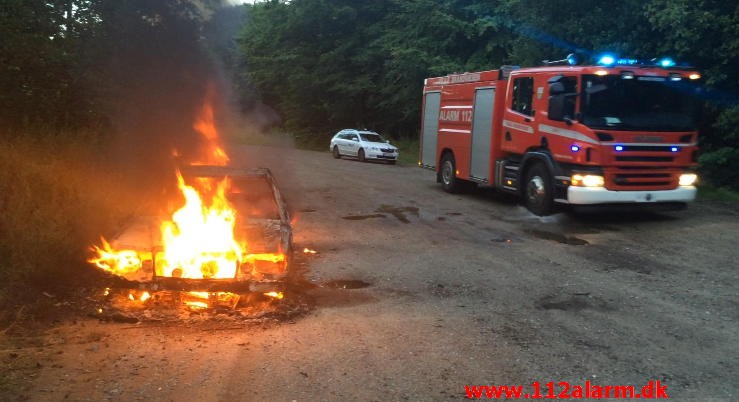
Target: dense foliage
[
  {"x": 139, "y": 66},
  {"x": 326, "y": 64}
]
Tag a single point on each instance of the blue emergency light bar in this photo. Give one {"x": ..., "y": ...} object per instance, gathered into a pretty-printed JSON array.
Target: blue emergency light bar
[{"x": 610, "y": 60}]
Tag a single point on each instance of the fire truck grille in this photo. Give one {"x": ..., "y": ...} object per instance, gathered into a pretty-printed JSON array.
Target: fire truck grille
[
  {"x": 636, "y": 179},
  {"x": 648, "y": 148},
  {"x": 644, "y": 158},
  {"x": 633, "y": 179}
]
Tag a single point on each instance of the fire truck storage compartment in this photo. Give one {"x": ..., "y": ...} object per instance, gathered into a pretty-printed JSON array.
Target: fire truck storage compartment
[
  {"x": 482, "y": 126},
  {"x": 430, "y": 128}
]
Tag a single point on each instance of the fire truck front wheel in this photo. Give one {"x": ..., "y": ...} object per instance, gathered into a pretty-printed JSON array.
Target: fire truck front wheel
[{"x": 537, "y": 193}]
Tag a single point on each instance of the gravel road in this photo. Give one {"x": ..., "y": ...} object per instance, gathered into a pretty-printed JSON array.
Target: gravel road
[{"x": 461, "y": 290}]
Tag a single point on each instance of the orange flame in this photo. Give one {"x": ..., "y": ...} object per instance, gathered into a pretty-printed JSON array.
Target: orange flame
[
  {"x": 275, "y": 295},
  {"x": 199, "y": 240},
  {"x": 206, "y": 126},
  {"x": 197, "y": 304},
  {"x": 119, "y": 262}
]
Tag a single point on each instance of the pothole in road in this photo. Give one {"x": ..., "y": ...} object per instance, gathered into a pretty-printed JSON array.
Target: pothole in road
[
  {"x": 362, "y": 217},
  {"x": 573, "y": 302},
  {"x": 346, "y": 284},
  {"x": 398, "y": 212},
  {"x": 558, "y": 237}
]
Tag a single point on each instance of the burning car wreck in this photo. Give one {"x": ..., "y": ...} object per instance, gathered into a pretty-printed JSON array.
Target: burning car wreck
[
  {"x": 232, "y": 236},
  {"x": 227, "y": 234},
  {"x": 241, "y": 241}
]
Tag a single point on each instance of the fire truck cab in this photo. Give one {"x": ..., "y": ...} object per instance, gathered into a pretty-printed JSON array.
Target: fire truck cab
[{"x": 611, "y": 133}]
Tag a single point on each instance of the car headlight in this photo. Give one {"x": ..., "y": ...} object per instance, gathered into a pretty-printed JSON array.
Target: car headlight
[
  {"x": 374, "y": 148},
  {"x": 688, "y": 179},
  {"x": 587, "y": 180}
]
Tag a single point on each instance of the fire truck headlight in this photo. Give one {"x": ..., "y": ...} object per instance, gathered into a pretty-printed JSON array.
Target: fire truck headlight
[
  {"x": 688, "y": 179},
  {"x": 587, "y": 180}
]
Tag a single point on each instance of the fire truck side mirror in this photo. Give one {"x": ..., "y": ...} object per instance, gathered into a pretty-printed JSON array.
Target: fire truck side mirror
[
  {"x": 556, "y": 108},
  {"x": 556, "y": 88}
]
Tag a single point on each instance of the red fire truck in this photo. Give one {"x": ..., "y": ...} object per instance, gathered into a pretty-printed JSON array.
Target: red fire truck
[{"x": 619, "y": 131}]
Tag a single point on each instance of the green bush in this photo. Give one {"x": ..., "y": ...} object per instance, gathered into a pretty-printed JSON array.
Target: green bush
[{"x": 720, "y": 168}]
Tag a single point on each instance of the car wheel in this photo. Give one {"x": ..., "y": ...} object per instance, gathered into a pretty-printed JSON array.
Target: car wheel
[
  {"x": 538, "y": 195},
  {"x": 336, "y": 153},
  {"x": 360, "y": 155}
]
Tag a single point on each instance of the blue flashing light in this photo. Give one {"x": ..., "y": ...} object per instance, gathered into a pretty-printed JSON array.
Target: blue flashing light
[
  {"x": 619, "y": 148},
  {"x": 627, "y": 62},
  {"x": 574, "y": 148},
  {"x": 666, "y": 62},
  {"x": 606, "y": 60},
  {"x": 571, "y": 59},
  {"x": 675, "y": 149}
]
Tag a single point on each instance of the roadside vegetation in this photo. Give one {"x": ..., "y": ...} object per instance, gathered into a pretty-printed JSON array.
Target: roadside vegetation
[
  {"x": 57, "y": 198},
  {"x": 408, "y": 147},
  {"x": 718, "y": 193}
]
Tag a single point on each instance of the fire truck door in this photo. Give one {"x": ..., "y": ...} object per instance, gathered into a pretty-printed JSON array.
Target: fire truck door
[
  {"x": 430, "y": 129},
  {"x": 482, "y": 124}
]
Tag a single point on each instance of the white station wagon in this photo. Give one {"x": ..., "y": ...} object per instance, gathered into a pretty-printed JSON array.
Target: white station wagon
[{"x": 364, "y": 145}]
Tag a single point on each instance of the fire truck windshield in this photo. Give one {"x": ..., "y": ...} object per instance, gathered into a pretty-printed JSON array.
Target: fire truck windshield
[{"x": 641, "y": 103}]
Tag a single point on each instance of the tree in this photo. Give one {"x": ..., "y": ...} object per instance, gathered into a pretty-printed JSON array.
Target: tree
[{"x": 707, "y": 33}]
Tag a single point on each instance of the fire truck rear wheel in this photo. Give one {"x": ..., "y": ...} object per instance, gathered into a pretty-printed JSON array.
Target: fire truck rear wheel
[
  {"x": 449, "y": 181},
  {"x": 537, "y": 193},
  {"x": 360, "y": 155},
  {"x": 336, "y": 153}
]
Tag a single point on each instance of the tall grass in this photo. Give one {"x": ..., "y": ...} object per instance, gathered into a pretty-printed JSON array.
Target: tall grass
[
  {"x": 57, "y": 196},
  {"x": 408, "y": 148},
  {"x": 718, "y": 193}
]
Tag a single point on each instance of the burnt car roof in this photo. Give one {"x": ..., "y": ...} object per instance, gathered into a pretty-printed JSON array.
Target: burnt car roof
[{"x": 219, "y": 171}]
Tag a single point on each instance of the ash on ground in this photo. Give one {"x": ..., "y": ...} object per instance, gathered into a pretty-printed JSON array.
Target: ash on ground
[{"x": 135, "y": 306}]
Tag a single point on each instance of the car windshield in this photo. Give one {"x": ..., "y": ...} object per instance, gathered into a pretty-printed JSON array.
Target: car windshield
[
  {"x": 371, "y": 137},
  {"x": 641, "y": 103}
]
